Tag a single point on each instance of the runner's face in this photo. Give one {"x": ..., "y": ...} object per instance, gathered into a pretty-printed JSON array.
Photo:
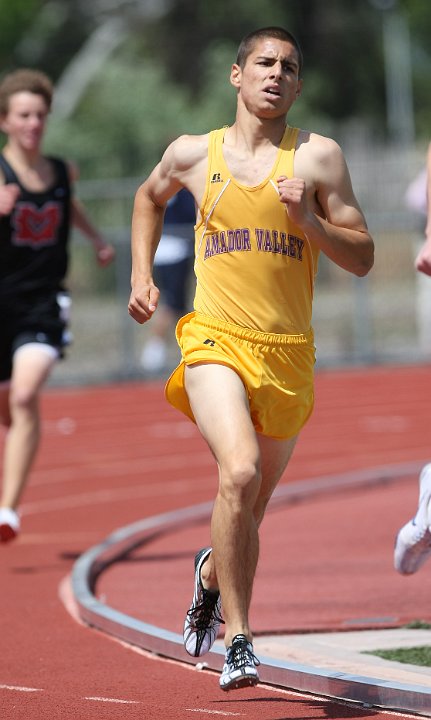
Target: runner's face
[
  {"x": 25, "y": 121},
  {"x": 269, "y": 82}
]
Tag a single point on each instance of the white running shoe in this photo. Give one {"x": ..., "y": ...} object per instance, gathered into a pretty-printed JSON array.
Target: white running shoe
[
  {"x": 413, "y": 542},
  {"x": 239, "y": 669},
  {"x": 203, "y": 620},
  {"x": 9, "y": 524},
  {"x": 154, "y": 356}
]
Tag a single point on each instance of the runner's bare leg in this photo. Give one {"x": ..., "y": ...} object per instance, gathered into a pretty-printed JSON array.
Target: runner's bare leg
[{"x": 221, "y": 410}]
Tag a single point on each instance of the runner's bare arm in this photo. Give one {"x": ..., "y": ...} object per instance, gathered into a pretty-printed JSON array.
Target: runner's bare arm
[
  {"x": 105, "y": 252},
  {"x": 9, "y": 194},
  {"x": 322, "y": 202},
  {"x": 180, "y": 167},
  {"x": 423, "y": 260}
]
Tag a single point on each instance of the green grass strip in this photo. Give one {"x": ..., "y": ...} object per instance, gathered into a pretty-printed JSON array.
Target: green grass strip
[
  {"x": 420, "y": 655},
  {"x": 412, "y": 656}
]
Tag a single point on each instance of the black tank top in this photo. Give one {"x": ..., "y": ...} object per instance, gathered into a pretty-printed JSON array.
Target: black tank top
[{"x": 34, "y": 237}]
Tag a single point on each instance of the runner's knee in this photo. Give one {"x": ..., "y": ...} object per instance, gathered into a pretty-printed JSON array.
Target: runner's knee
[
  {"x": 22, "y": 398},
  {"x": 239, "y": 485}
]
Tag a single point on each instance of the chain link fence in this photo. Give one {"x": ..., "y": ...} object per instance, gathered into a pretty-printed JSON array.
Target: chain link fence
[{"x": 382, "y": 318}]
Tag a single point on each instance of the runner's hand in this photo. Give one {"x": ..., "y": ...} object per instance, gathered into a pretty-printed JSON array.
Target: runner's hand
[
  {"x": 9, "y": 194},
  {"x": 293, "y": 194},
  {"x": 105, "y": 255},
  {"x": 143, "y": 302}
]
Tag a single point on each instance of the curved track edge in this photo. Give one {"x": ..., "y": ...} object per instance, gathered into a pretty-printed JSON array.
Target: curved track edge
[{"x": 370, "y": 691}]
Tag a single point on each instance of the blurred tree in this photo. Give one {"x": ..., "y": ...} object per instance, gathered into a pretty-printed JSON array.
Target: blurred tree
[
  {"x": 40, "y": 33},
  {"x": 163, "y": 68},
  {"x": 13, "y": 18},
  {"x": 419, "y": 17}
]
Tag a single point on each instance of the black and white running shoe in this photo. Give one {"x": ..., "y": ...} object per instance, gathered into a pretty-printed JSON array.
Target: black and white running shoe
[
  {"x": 203, "y": 620},
  {"x": 239, "y": 669}
]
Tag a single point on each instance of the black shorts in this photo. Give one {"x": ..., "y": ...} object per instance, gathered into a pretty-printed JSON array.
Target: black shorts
[
  {"x": 29, "y": 318},
  {"x": 172, "y": 280}
]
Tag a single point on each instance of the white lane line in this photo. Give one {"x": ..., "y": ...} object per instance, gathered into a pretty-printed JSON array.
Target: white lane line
[
  {"x": 69, "y": 426},
  {"x": 212, "y": 712},
  {"x": 113, "y": 700},
  {"x": 19, "y": 688},
  {"x": 115, "y": 467},
  {"x": 105, "y": 496},
  {"x": 68, "y": 599},
  {"x": 328, "y": 700},
  {"x": 87, "y": 538},
  {"x": 62, "y": 426}
]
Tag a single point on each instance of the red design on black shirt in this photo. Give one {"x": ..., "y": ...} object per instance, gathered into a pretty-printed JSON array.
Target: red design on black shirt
[{"x": 35, "y": 226}]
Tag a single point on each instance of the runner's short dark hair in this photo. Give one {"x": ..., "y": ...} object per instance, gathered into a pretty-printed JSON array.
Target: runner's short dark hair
[{"x": 248, "y": 42}]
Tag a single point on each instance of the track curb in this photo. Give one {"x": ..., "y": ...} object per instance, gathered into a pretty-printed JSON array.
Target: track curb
[{"x": 370, "y": 691}]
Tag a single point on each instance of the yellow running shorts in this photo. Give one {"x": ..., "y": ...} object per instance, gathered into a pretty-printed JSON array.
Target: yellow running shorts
[{"x": 277, "y": 370}]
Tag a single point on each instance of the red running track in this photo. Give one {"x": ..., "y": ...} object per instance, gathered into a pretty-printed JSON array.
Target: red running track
[{"x": 117, "y": 454}]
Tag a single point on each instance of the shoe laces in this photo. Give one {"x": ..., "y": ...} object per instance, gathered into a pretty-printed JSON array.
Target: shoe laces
[
  {"x": 207, "y": 612},
  {"x": 241, "y": 654},
  {"x": 422, "y": 535}
]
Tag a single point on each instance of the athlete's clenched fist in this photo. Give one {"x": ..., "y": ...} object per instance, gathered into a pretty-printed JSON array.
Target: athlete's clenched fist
[
  {"x": 143, "y": 302},
  {"x": 292, "y": 193}
]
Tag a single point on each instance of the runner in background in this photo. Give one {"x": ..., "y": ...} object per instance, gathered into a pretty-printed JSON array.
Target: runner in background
[
  {"x": 172, "y": 270},
  {"x": 37, "y": 210},
  {"x": 413, "y": 541}
]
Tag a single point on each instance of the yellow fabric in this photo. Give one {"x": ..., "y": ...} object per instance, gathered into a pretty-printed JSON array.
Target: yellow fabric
[
  {"x": 277, "y": 371},
  {"x": 254, "y": 267}
]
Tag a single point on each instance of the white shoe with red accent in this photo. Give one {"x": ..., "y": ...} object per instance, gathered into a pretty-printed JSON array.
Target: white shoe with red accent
[{"x": 9, "y": 524}]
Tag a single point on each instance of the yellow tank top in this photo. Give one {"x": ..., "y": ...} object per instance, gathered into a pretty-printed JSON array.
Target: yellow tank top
[{"x": 254, "y": 267}]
